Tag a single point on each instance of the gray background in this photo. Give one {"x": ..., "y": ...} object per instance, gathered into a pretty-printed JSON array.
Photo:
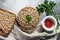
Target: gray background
[{"x": 3, "y": 4}]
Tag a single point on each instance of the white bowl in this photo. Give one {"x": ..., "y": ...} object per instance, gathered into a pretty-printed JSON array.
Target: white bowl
[{"x": 54, "y": 23}]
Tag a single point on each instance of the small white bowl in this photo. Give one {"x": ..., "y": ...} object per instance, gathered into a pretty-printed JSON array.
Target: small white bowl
[{"x": 54, "y": 23}]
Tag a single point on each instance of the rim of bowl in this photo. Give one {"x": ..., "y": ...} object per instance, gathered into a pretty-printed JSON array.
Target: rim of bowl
[{"x": 52, "y": 28}]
